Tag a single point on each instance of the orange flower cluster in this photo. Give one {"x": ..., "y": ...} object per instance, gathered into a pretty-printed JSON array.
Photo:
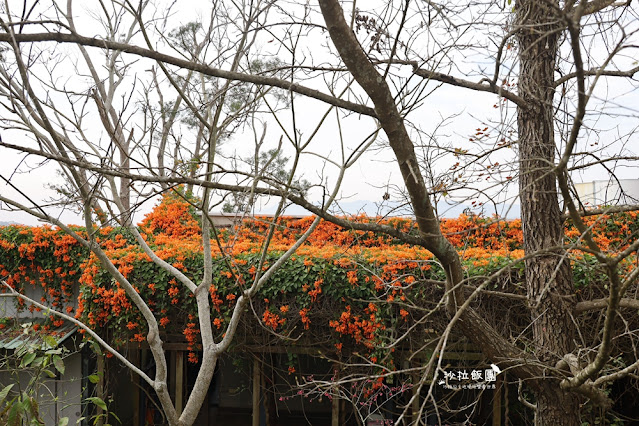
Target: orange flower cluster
[
  {"x": 304, "y": 317},
  {"x": 611, "y": 233},
  {"x": 360, "y": 329},
  {"x": 272, "y": 320},
  {"x": 172, "y": 217},
  {"x": 317, "y": 289},
  {"x": 44, "y": 258},
  {"x": 138, "y": 337},
  {"x": 463, "y": 231},
  {"x": 191, "y": 332}
]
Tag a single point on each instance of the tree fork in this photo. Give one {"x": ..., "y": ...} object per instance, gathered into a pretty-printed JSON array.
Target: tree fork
[{"x": 479, "y": 331}]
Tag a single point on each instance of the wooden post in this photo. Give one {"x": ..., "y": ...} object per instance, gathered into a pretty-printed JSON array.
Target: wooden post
[
  {"x": 506, "y": 402},
  {"x": 135, "y": 379},
  {"x": 415, "y": 390},
  {"x": 416, "y": 404},
  {"x": 257, "y": 374},
  {"x": 342, "y": 411},
  {"x": 179, "y": 381},
  {"x": 100, "y": 388},
  {"x": 335, "y": 396},
  {"x": 497, "y": 402},
  {"x": 335, "y": 411}
]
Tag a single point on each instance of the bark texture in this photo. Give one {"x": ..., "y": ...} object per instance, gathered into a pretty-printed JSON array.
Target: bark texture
[{"x": 548, "y": 273}]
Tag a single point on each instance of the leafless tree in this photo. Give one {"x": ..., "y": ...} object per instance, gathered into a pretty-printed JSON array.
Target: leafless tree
[{"x": 172, "y": 99}]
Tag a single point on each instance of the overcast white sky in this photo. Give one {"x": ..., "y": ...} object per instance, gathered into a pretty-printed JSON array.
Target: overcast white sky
[{"x": 375, "y": 173}]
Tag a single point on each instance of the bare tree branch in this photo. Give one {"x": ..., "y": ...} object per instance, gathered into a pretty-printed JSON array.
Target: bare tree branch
[{"x": 204, "y": 69}]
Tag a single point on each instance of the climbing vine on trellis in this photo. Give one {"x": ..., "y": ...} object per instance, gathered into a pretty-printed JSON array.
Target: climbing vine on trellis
[{"x": 358, "y": 287}]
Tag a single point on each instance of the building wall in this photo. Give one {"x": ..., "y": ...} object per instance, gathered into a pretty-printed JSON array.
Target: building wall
[
  {"x": 608, "y": 192},
  {"x": 57, "y": 398},
  {"x": 9, "y": 309},
  {"x": 8, "y": 306}
]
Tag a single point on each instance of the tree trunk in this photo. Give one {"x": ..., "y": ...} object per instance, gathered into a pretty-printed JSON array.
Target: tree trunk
[{"x": 548, "y": 273}]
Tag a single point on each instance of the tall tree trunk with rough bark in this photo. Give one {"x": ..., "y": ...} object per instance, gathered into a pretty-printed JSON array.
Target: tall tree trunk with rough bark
[{"x": 548, "y": 273}]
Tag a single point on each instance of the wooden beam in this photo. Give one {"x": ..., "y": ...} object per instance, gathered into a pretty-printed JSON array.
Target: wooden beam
[
  {"x": 456, "y": 351},
  {"x": 283, "y": 349}
]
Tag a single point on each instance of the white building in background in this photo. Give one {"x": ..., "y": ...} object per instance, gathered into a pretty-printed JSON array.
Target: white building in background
[{"x": 608, "y": 192}]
